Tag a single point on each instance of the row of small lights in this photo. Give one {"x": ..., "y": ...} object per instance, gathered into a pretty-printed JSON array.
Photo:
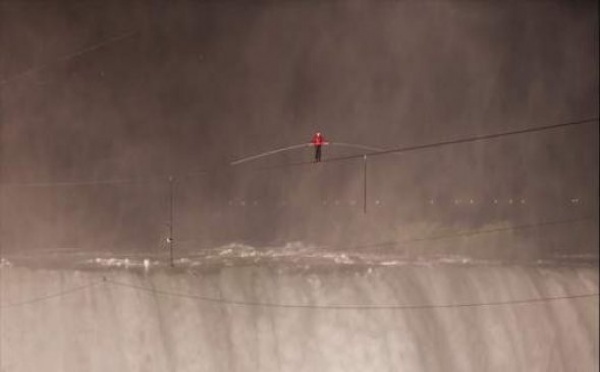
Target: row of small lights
[{"x": 244, "y": 203}]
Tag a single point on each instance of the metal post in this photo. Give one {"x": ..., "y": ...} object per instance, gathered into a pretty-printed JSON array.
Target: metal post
[
  {"x": 171, "y": 206},
  {"x": 365, "y": 183}
]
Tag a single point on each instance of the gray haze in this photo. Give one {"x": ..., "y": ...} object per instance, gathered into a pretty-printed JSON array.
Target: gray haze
[
  {"x": 478, "y": 256},
  {"x": 114, "y": 90}
]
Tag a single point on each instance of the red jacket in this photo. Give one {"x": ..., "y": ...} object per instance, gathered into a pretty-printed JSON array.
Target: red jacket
[{"x": 318, "y": 139}]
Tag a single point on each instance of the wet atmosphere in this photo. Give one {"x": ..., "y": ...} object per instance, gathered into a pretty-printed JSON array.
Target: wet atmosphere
[{"x": 161, "y": 209}]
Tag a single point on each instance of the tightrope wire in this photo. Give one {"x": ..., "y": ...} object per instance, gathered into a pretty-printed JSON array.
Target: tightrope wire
[{"x": 358, "y": 156}]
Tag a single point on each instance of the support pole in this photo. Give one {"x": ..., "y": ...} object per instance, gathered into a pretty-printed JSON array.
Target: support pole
[
  {"x": 365, "y": 184},
  {"x": 171, "y": 207}
]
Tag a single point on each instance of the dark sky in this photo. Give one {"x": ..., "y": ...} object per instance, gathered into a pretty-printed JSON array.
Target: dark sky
[{"x": 104, "y": 90}]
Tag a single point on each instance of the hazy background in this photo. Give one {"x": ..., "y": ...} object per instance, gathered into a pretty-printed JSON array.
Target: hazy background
[{"x": 139, "y": 90}]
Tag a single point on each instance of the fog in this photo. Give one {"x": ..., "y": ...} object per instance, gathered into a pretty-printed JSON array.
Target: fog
[
  {"x": 160, "y": 209},
  {"x": 101, "y": 102}
]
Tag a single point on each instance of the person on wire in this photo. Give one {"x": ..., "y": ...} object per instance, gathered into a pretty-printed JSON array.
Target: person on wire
[{"x": 317, "y": 141}]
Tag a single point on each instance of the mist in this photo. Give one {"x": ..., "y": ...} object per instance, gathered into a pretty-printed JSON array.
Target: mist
[
  {"x": 101, "y": 102},
  {"x": 161, "y": 209}
]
